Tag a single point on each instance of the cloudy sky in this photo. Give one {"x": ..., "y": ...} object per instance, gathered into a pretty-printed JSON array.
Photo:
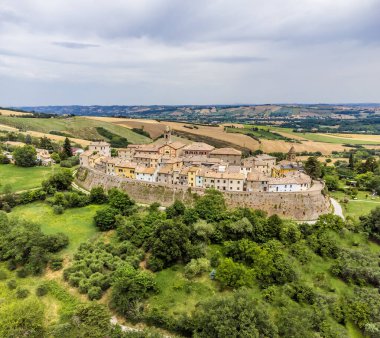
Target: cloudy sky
[{"x": 58, "y": 52}]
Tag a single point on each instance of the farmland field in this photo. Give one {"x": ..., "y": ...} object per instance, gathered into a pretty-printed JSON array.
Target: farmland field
[{"x": 78, "y": 127}]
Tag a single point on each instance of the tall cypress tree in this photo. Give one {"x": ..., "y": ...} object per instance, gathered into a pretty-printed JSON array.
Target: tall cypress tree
[
  {"x": 352, "y": 161},
  {"x": 67, "y": 148}
]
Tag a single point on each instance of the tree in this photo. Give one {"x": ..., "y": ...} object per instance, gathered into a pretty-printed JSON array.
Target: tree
[
  {"x": 105, "y": 219},
  {"x": 67, "y": 148},
  {"x": 313, "y": 167},
  {"x": 211, "y": 206},
  {"x": 170, "y": 242},
  {"x": 120, "y": 201},
  {"x": 28, "y": 139},
  {"x": 25, "y": 156},
  {"x": 233, "y": 316},
  {"x": 46, "y": 143},
  {"x": 332, "y": 182},
  {"x": 91, "y": 320},
  {"x": 22, "y": 319},
  {"x": 371, "y": 223},
  {"x": 351, "y": 161},
  {"x": 59, "y": 181},
  {"x": 233, "y": 274},
  {"x": 370, "y": 165},
  {"x": 98, "y": 195},
  {"x": 130, "y": 286},
  {"x": 176, "y": 209}
]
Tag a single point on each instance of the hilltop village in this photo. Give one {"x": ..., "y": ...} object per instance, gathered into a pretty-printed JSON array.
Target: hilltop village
[{"x": 198, "y": 165}]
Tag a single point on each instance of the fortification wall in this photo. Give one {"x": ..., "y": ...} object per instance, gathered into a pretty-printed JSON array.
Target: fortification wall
[{"x": 306, "y": 205}]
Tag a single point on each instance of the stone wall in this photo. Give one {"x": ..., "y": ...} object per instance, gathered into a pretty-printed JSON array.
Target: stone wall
[{"x": 305, "y": 205}]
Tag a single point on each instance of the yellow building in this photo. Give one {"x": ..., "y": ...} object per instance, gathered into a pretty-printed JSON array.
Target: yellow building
[
  {"x": 125, "y": 169},
  {"x": 191, "y": 175}
]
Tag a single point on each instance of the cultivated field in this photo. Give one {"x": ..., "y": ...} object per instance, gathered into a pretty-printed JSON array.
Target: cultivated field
[
  {"x": 75, "y": 127},
  {"x": 5, "y": 112},
  {"x": 239, "y": 140}
]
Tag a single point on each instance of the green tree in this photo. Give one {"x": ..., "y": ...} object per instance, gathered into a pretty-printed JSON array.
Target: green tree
[
  {"x": 67, "y": 148},
  {"x": 25, "y": 156},
  {"x": 332, "y": 182},
  {"x": 129, "y": 287},
  {"x": 313, "y": 167},
  {"x": 233, "y": 274},
  {"x": 28, "y": 139},
  {"x": 351, "y": 161},
  {"x": 105, "y": 219},
  {"x": 22, "y": 319},
  {"x": 59, "y": 181},
  {"x": 120, "y": 201},
  {"x": 211, "y": 206},
  {"x": 98, "y": 195},
  {"x": 91, "y": 320},
  {"x": 371, "y": 223},
  {"x": 233, "y": 316}
]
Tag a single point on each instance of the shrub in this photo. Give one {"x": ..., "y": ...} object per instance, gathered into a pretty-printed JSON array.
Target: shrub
[
  {"x": 95, "y": 292},
  {"x": 22, "y": 293},
  {"x": 3, "y": 275},
  {"x": 196, "y": 267},
  {"x": 58, "y": 209},
  {"x": 11, "y": 265},
  {"x": 56, "y": 264},
  {"x": 42, "y": 290},
  {"x": 22, "y": 273},
  {"x": 12, "y": 284}
]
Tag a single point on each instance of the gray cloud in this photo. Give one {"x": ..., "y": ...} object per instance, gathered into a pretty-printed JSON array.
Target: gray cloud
[
  {"x": 190, "y": 51},
  {"x": 74, "y": 45}
]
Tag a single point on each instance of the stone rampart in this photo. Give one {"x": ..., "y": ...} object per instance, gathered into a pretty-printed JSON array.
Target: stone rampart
[{"x": 305, "y": 205}]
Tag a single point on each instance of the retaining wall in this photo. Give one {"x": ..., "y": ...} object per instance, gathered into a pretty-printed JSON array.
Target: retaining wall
[{"x": 305, "y": 205}]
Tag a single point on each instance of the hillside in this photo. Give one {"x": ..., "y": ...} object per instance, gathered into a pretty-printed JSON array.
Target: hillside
[{"x": 78, "y": 127}]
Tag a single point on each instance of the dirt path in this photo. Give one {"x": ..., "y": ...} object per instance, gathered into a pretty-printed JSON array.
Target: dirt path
[{"x": 337, "y": 208}]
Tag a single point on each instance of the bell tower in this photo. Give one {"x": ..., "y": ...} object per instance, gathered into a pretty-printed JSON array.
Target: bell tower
[
  {"x": 168, "y": 135},
  {"x": 291, "y": 156}
]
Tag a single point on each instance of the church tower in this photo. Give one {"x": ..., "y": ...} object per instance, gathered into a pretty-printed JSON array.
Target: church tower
[
  {"x": 168, "y": 135},
  {"x": 291, "y": 156}
]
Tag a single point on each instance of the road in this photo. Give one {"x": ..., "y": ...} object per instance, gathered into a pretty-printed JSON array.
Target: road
[{"x": 337, "y": 208}]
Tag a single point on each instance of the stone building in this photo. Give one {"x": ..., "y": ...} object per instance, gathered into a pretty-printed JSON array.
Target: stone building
[{"x": 228, "y": 155}]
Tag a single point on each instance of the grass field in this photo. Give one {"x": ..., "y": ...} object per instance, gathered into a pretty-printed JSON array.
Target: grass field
[
  {"x": 353, "y": 139},
  {"x": 22, "y": 178},
  {"x": 78, "y": 127},
  {"x": 76, "y": 223},
  {"x": 361, "y": 206},
  {"x": 261, "y": 133}
]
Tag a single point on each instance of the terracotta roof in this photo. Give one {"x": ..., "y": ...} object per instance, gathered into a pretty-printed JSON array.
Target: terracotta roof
[
  {"x": 99, "y": 143},
  {"x": 255, "y": 176},
  {"x": 167, "y": 169},
  {"x": 123, "y": 164},
  {"x": 151, "y": 156},
  {"x": 144, "y": 170},
  {"x": 299, "y": 178},
  {"x": 175, "y": 145},
  {"x": 219, "y": 175},
  {"x": 225, "y": 151},
  {"x": 198, "y": 146},
  {"x": 264, "y": 157}
]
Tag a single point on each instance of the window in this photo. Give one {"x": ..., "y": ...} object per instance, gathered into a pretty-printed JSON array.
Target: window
[{"x": 277, "y": 189}]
